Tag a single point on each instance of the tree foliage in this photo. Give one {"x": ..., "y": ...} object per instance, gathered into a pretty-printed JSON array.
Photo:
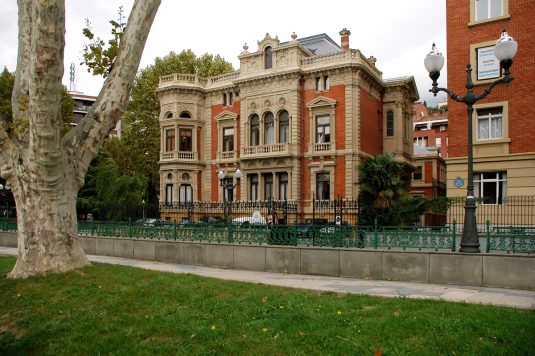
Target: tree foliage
[
  {"x": 138, "y": 151},
  {"x": 7, "y": 81},
  {"x": 98, "y": 55},
  {"x": 108, "y": 194}
]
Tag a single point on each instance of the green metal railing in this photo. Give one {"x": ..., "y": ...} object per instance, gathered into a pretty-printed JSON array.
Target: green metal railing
[
  {"x": 510, "y": 239},
  {"x": 433, "y": 238},
  {"x": 8, "y": 225}
]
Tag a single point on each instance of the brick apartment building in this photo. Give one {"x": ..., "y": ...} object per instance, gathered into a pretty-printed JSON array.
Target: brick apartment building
[
  {"x": 504, "y": 136},
  {"x": 82, "y": 104},
  {"x": 297, "y": 119},
  {"x": 430, "y": 135},
  {"x": 430, "y": 130}
]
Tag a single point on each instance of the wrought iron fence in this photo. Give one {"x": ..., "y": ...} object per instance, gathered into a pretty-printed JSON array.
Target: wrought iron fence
[
  {"x": 280, "y": 212},
  {"x": 510, "y": 239},
  {"x": 339, "y": 211},
  {"x": 513, "y": 210}
]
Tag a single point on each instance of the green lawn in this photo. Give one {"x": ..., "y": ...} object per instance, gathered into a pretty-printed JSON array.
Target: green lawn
[{"x": 105, "y": 309}]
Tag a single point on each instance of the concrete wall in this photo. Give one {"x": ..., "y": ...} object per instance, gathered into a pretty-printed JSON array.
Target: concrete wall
[{"x": 492, "y": 270}]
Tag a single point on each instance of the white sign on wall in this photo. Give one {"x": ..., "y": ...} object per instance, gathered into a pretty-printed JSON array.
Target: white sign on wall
[{"x": 488, "y": 66}]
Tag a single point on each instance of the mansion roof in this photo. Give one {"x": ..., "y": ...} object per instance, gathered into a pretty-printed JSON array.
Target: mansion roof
[{"x": 308, "y": 55}]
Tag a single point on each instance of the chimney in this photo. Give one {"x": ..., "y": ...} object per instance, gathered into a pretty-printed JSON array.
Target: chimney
[{"x": 344, "y": 39}]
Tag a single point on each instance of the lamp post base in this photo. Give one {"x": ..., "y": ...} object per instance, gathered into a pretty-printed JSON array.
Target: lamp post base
[{"x": 470, "y": 238}]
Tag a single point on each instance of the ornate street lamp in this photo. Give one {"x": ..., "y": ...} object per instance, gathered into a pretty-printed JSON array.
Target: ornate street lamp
[
  {"x": 4, "y": 190},
  {"x": 504, "y": 50},
  {"x": 229, "y": 188}
]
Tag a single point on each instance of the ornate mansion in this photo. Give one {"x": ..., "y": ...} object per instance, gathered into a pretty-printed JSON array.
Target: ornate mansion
[{"x": 296, "y": 119}]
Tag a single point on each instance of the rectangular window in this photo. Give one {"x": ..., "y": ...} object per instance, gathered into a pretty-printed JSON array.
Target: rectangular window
[
  {"x": 283, "y": 132},
  {"x": 421, "y": 141},
  {"x": 488, "y": 9},
  {"x": 489, "y": 124},
  {"x": 491, "y": 186},
  {"x": 169, "y": 194},
  {"x": 390, "y": 123},
  {"x": 326, "y": 82},
  {"x": 169, "y": 140},
  {"x": 185, "y": 193},
  {"x": 323, "y": 186},
  {"x": 268, "y": 186},
  {"x": 185, "y": 140},
  {"x": 323, "y": 129},
  {"x": 228, "y": 139},
  {"x": 253, "y": 187},
  {"x": 283, "y": 186},
  {"x": 269, "y": 129},
  {"x": 417, "y": 174},
  {"x": 319, "y": 84},
  {"x": 438, "y": 142}
]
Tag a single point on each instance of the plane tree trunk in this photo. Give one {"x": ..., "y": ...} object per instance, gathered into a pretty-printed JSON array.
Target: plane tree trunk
[{"x": 44, "y": 169}]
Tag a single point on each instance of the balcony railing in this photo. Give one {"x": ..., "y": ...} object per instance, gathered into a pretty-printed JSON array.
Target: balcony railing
[
  {"x": 227, "y": 155},
  {"x": 181, "y": 155},
  {"x": 265, "y": 149},
  {"x": 322, "y": 147}
]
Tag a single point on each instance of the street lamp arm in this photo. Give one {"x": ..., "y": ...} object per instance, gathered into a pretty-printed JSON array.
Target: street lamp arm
[
  {"x": 435, "y": 90},
  {"x": 505, "y": 80}
]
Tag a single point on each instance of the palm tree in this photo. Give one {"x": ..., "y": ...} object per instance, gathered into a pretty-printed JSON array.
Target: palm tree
[{"x": 382, "y": 182}]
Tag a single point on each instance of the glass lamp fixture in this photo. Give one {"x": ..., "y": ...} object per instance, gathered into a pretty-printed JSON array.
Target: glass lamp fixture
[
  {"x": 434, "y": 61},
  {"x": 505, "y": 50}
]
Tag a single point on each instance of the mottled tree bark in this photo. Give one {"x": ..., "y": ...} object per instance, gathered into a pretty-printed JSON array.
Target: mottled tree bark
[{"x": 45, "y": 171}]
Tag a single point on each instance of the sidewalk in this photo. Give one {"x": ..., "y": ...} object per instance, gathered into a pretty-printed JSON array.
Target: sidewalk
[{"x": 453, "y": 293}]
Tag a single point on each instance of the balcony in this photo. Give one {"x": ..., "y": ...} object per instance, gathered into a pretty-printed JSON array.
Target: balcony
[
  {"x": 276, "y": 149},
  {"x": 227, "y": 155},
  {"x": 178, "y": 155},
  {"x": 322, "y": 147}
]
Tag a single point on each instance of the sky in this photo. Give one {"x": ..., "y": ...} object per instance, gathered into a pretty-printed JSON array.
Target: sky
[{"x": 398, "y": 33}]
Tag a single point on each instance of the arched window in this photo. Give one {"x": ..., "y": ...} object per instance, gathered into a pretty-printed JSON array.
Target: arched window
[
  {"x": 269, "y": 129},
  {"x": 268, "y": 58},
  {"x": 185, "y": 115},
  {"x": 390, "y": 123},
  {"x": 284, "y": 126},
  {"x": 254, "y": 130},
  {"x": 168, "y": 115}
]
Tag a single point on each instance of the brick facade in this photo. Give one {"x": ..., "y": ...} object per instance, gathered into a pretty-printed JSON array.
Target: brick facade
[{"x": 514, "y": 152}]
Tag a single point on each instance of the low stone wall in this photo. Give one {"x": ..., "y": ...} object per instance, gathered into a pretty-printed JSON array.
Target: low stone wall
[{"x": 490, "y": 270}]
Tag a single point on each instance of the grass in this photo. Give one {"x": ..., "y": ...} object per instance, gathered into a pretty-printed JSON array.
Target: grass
[{"x": 106, "y": 309}]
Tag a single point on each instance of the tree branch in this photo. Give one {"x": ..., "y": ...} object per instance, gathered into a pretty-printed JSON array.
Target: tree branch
[
  {"x": 19, "y": 99},
  {"x": 83, "y": 141},
  {"x": 22, "y": 74}
]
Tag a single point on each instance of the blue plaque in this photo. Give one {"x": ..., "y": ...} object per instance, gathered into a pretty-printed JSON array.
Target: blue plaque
[{"x": 458, "y": 182}]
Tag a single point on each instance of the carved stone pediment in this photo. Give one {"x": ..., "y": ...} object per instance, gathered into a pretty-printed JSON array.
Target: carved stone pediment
[
  {"x": 268, "y": 41},
  {"x": 321, "y": 101},
  {"x": 226, "y": 115}
]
